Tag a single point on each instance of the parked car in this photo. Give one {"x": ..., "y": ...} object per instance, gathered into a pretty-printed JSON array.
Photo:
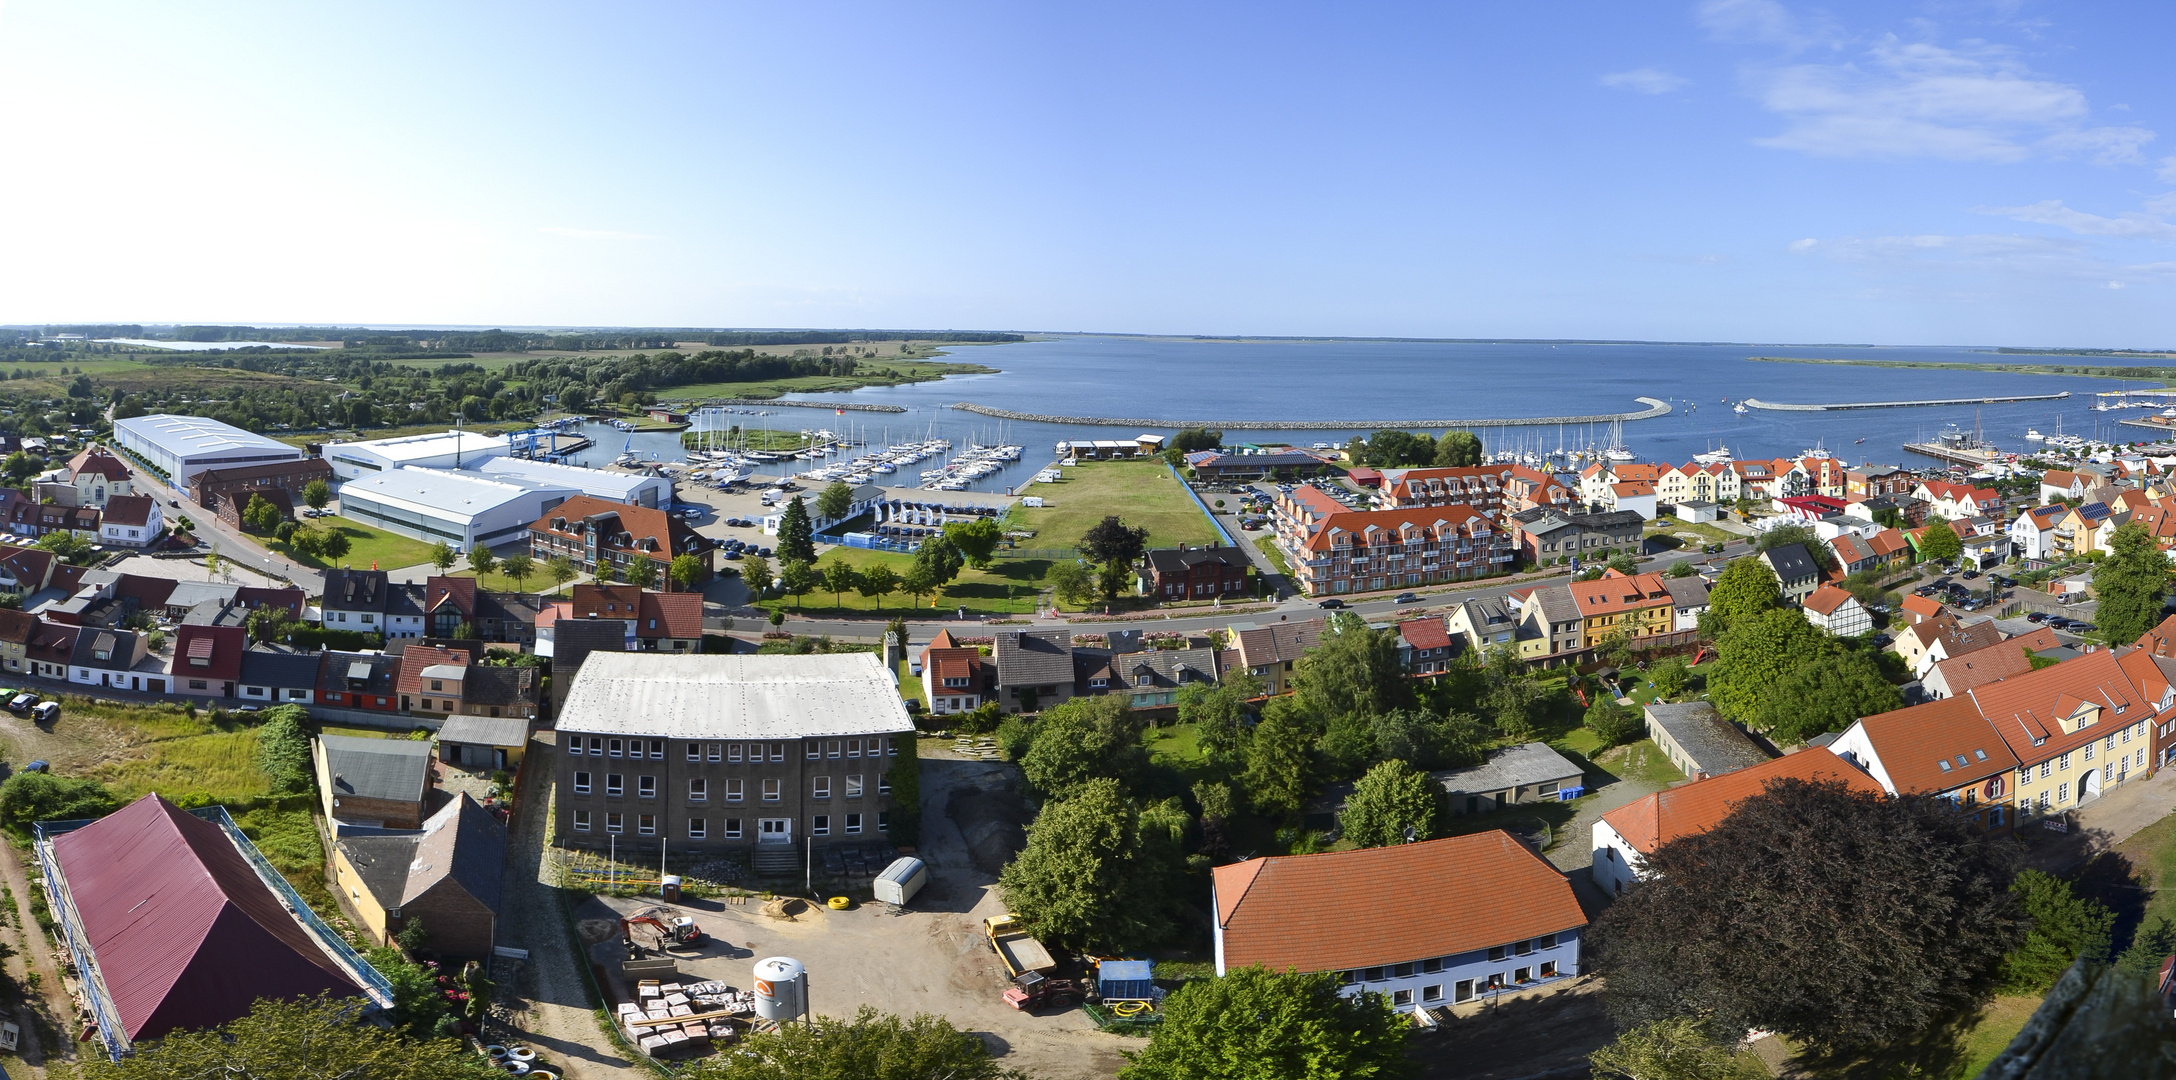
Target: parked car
[
  {"x": 2036, "y": 616},
  {"x": 46, "y": 712},
  {"x": 1331, "y": 604},
  {"x": 1405, "y": 598},
  {"x": 22, "y": 702}
]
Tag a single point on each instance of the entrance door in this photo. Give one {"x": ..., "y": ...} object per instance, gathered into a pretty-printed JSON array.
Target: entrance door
[
  {"x": 2092, "y": 785},
  {"x": 774, "y": 830}
]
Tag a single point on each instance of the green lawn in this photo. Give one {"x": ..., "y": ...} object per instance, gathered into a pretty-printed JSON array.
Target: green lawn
[
  {"x": 910, "y": 684},
  {"x": 1642, "y": 761},
  {"x": 1008, "y": 587},
  {"x": 877, "y": 372},
  {"x": 1268, "y": 545},
  {"x": 2004, "y": 1018},
  {"x": 175, "y": 754},
  {"x": 369, "y": 547},
  {"x": 1138, "y": 492}
]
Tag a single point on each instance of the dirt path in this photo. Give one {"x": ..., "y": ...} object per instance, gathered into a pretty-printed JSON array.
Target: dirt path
[
  {"x": 549, "y": 1001},
  {"x": 33, "y": 954}
]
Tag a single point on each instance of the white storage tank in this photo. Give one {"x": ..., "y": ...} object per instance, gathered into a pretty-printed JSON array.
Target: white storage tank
[
  {"x": 901, "y": 880},
  {"x": 780, "y": 989}
]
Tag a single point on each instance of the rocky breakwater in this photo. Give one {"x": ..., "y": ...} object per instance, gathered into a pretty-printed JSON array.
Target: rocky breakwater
[{"x": 1655, "y": 407}]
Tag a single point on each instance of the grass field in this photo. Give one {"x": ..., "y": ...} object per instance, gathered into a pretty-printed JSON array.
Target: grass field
[
  {"x": 369, "y": 547},
  {"x": 1268, "y": 546},
  {"x": 1642, "y": 761},
  {"x": 1008, "y": 587},
  {"x": 173, "y": 753},
  {"x": 2004, "y": 1018},
  {"x": 1138, "y": 492}
]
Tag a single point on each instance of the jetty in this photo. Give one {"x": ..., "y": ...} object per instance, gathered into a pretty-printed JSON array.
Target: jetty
[
  {"x": 1776, "y": 406},
  {"x": 1655, "y": 407}
]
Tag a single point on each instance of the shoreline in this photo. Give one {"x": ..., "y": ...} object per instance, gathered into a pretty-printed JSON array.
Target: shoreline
[{"x": 2104, "y": 372}]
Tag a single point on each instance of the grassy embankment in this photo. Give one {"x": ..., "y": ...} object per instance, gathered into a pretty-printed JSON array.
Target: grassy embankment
[
  {"x": 1139, "y": 493},
  {"x": 2133, "y": 374},
  {"x": 872, "y": 373}
]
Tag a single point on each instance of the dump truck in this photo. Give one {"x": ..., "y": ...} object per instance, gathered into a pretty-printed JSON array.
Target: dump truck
[{"x": 1015, "y": 946}]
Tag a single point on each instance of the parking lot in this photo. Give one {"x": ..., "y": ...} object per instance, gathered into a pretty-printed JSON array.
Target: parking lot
[{"x": 932, "y": 959}]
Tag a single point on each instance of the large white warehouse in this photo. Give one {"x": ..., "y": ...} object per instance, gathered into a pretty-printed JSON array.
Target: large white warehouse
[
  {"x": 183, "y": 446},
  {"x": 443, "y": 450},
  {"x": 463, "y": 509},
  {"x": 633, "y": 489}
]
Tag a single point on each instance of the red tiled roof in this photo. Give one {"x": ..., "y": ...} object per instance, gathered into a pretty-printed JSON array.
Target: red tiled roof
[
  {"x": 1826, "y": 599},
  {"x": 1429, "y": 633},
  {"x": 2157, "y": 640},
  {"x": 1614, "y": 592},
  {"x": 1926, "y": 607},
  {"x": 418, "y": 657},
  {"x": 1695, "y": 808},
  {"x": 1979, "y": 667},
  {"x": 95, "y": 459},
  {"x": 1352, "y": 909},
  {"x": 1362, "y": 524},
  {"x": 460, "y": 592},
  {"x": 1889, "y": 543},
  {"x": 672, "y": 615},
  {"x": 2034, "y": 705},
  {"x": 2040, "y": 638},
  {"x": 219, "y": 646},
  {"x": 16, "y": 627},
  {"x": 953, "y": 663},
  {"x": 672, "y": 536},
  {"x": 1940, "y": 746},
  {"x": 129, "y": 510},
  {"x": 52, "y": 643}
]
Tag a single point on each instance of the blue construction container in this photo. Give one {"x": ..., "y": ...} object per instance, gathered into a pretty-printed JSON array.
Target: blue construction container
[{"x": 1125, "y": 980}]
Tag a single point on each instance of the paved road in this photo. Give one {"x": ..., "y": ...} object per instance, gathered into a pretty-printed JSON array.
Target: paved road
[{"x": 229, "y": 543}]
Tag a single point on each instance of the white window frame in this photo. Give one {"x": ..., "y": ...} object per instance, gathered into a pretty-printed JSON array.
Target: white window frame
[
  {"x": 819, "y": 825},
  {"x": 732, "y": 789},
  {"x": 581, "y": 821},
  {"x": 820, "y": 787},
  {"x": 615, "y": 784},
  {"x": 646, "y": 824},
  {"x": 732, "y": 828},
  {"x": 732, "y": 752},
  {"x": 771, "y": 790},
  {"x": 853, "y": 785},
  {"x": 615, "y": 822},
  {"x": 581, "y": 783},
  {"x": 645, "y": 787},
  {"x": 698, "y": 789},
  {"x": 697, "y": 829}
]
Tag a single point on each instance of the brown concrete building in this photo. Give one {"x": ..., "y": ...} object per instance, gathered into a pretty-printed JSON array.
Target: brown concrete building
[
  {"x": 446, "y": 876},
  {"x": 718, "y": 753},
  {"x": 213, "y": 487}
]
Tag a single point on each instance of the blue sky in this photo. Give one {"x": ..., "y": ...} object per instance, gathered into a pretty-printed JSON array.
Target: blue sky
[{"x": 1949, "y": 172}]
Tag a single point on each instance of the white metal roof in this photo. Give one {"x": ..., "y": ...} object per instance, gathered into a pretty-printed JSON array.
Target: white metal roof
[
  {"x": 698, "y": 696},
  {"x": 186, "y": 436},
  {"x": 616, "y": 486},
  {"x": 444, "y": 493},
  {"x": 406, "y": 448}
]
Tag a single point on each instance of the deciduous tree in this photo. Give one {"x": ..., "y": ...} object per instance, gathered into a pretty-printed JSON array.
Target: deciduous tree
[
  {"x": 687, "y": 571},
  {"x": 1939, "y": 543},
  {"x": 1086, "y": 880},
  {"x": 756, "y": 571},
  {"x": 1612, "y": 723},
  {"x": 316, "y": 494},
  {"x": 797, "y": 577},
  {"x": 561, "y": 570},
  {"x": 1755, "y": 654},
  {"x": 1787, "y": 916},
  {"x": 518, "y": 568},
  {"x": 481, "y": 560},
  {"x": 1114, "y": 546},
  {"x": 1674, "y": 1049},
  {"x": 941, "y": 559},
  {"x": 1458, "y": 449},
  {"x": 295, "y": 1040},
  {"x": 1254, "y": 1024},
  {"x": 877, "y": 582},
  {"x": 1829, "y": 688},
  {"x": 841, "y": 578},
  {"x": 917, "y": 581},
  {"x": 2131, "y": 583},
  {"x": 1778, "y": 536},
  {"x": 335, "y": 545},
  {"x": 836, "y": 499},
  {"x": 441, "y": 556},
  {"x": 1072, "y": 580},
  {"x": 871, "y": 1046},
  {"x": 1391, "y": 798},
  {"x": 642, "y": 572},
  {"x": 977, "y": 540},
  {"x": 1745, "y": 588},
  {"x": 1279, "y": 773},
  {"x": 1085, "y": 739}
]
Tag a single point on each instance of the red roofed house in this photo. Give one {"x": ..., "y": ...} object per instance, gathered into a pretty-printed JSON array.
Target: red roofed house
[
  {"x": 430, "y": 679},
  {"x": 1627, "y": 835},
  {"x": 130, "y": 521},
  {"x": 1890, "y": 547},
  {"x": 1961, "y": 673},
  {"x": 1334, "y": 550},
  {"x": 589, "y": 531},
  {"x": 2058, "y": 484},
  {"x": 1407, "y": 940},
  {"x": 1918, "y": 609},
  {"x": 1478, "y": 486},
  {"x": 97, "y": 475},
  {"x": 1853, "y": 554},
  {"x": 1941, "y": 748},
  {"x": 1838, "y": 612},
  {"x": 176, "y": 929},
  {"x": 952, "y": 675},
  {"x": 1425, "y": 646},
  {"x": 2077, "y": 728},
  {"x": 656, "y": 622},
  {"x": 208, "y": 659},
  {"x": 1959, "y": 501}
]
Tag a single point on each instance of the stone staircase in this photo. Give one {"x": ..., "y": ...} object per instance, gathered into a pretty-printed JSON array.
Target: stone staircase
[{"x": 776, "y": 860}]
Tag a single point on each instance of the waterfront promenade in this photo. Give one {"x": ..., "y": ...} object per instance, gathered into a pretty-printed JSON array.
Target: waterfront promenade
[
  {"x": 1655, "y": 407},
  {"x": 1776, "y": 406}
]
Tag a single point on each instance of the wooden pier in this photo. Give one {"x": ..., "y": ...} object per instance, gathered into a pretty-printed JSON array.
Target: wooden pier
[{"x": 1773, "y": 406}]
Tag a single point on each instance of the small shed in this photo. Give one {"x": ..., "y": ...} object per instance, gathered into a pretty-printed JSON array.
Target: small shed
[
  {"x": 483, "y": 742},
  {"x": 901, "y": 880},
  {"x": 1528, "y": 772},
  {"x": 1695, "y": 510}
]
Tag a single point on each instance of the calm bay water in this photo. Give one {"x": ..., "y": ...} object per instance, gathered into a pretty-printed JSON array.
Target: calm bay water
[{"x": 1380, "y": 381}]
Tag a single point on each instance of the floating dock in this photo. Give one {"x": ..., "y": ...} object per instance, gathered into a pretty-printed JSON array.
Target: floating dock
[
  {"x": 544, "y": 445},
  {"x": 1774, "y": 406},
  {"x": 1655, "y": 407}
]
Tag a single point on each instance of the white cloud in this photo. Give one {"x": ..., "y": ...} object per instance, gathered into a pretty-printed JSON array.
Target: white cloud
[
  {"x": 2053, "y": 212},
  {"x": 1644, "y": 80},
  {"x": 593, "y": 234},
  {"x": 2168, "y": 170},
  {"x": 2115, "y": 284},
  {"x": 2044, "y": 258},
  {"x": 1800, "y": 247},
  {"x": 1976, "y": 101}
]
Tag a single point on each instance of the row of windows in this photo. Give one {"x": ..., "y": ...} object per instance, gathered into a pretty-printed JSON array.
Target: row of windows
[
  {"x": 813, "y": 749},
  {"x": 615, "y": 823},
  {"x": 1464, "y": 989},
  {"x": 2061, "y": 762},
  {"x": 1435, "y": 964},
  {"x": 699, "y": 787}
]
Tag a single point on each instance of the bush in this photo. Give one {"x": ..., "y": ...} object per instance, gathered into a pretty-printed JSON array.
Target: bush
[
  {"x": 32, "y": 797},
  {"x": 283, "y": 748},
  {"x": 1014, "y": 736},
  {"x": 1612, "y": 723}
]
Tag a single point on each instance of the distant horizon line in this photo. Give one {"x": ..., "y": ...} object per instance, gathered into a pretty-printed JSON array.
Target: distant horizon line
[{"x": 2080, "y": 350}]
